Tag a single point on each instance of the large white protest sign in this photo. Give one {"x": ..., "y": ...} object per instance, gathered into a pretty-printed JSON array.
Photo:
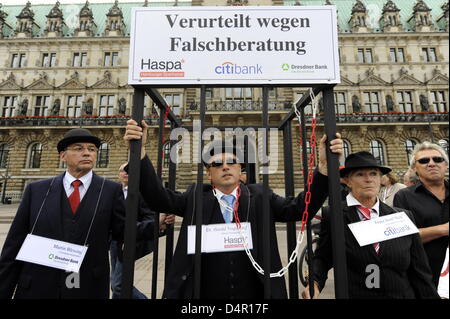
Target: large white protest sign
[{"x": 230, "y": 45}]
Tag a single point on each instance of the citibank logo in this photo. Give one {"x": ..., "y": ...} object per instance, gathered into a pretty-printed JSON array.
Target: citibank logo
[
  {"x": 233, "y": 68},
  {"x": 391, "y": 231}
]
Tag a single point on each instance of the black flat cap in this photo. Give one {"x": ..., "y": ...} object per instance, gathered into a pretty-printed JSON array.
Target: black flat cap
[
  {"x": 361, "y": 160},
  {"x": 78, "y": 135}
]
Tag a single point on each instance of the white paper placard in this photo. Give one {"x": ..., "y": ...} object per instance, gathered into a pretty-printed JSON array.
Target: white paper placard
[
  {"x": 221, "y": 238},
  {"x": 383, "y": 228},
  {"x": 52, "y": 253},
  {"x": 197, "y": 45}
]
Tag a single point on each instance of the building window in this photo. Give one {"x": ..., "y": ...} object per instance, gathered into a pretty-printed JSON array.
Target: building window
[
  {"x": 73, "y": 108},
  {"x": 9, "y": 104},
  {"x": 365, "y": 56},
  {"x": 18, "y": 60},
  {"x": 347, "y": 148},
  {"x": 166, "y": 154},
  {"x": 397, "y": 55},
  {"x": 174, "y": 101},
  {"x": 238, "y": 97},
  {"x": 103, "y": 156},
  {"x": 377, "y": 150},
  {"x": 405, "y": 102},
  {"x": 4, "y": 152},
  {"x": 62, "y": 164},
  {"x": 409, "y": 147},
  {"x": 34, "y": 155},
  {"x": 371, "y": 102},
  {"x": 209, "y": 93},
  {"x": 429, "y": 55},
  {"x": 439, "y": 101},
  {"x": 48, "y": 60},
  {"x": 106, "y": 107},
  {"x": 79, "y": 59},
  {"x": 340, "y": 102},
  {"x": 111, "y": 59},
  {"x": 41, "y": 106}
]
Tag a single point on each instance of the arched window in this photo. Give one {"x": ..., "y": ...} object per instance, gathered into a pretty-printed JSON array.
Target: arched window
[
  {"x": 347, "y": 149},
  {"x": 34, "y": 155},
  {"x": 409, "y": 147},
  {"x": 377, "y": 150},
  {"x": 4, "y": 151},
  {"x": 166, "y": 154},
  {"x": 103, "y": 156}
]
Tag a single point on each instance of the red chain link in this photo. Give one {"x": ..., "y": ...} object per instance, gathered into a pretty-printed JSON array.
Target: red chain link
[{"x": 309, "y": 181}]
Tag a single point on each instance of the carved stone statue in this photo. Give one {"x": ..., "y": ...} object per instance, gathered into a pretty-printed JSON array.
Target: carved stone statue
[
  {"x": 88, "y": 107},
  {"x": 355, "y": 104},
  {"x": 321, "y": 105},
  {"x": 56, "y": 107},
  {"x": 122, "y": 106},
  {"x": 424, "y": 103},
  {"x": 23, "y": 107},
  {"x": 389, "y": 103}
]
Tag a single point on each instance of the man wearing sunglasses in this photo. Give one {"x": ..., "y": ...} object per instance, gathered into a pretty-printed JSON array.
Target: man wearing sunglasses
[
  {"x": 428, "y": 200},
  {"x": 227, "y": 274}
]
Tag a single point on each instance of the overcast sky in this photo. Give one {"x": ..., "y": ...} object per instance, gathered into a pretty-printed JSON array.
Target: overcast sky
[{"x": 34, "y": 2}]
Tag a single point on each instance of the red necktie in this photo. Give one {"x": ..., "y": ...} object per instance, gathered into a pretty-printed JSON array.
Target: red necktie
[
  {"x": 74, "y": 198},
  {"x": 366, "y": 214}
]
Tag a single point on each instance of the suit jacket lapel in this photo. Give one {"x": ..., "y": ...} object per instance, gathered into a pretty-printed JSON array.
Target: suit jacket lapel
[
  {"x": 89, "y": 202},
  {"x": 352, "y": 216},
  {"x": 53, "y": 209}
]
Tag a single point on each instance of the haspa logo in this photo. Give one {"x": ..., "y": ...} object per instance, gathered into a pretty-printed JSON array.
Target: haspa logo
[
  {"x": 233, "y": 68},
  {"x": 155, "y": 65},
  {"x": 165, "y": 69}
]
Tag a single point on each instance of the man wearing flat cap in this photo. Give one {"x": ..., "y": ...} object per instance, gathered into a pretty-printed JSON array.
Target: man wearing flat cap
[
  {"x": 392, "y": 268},
  {"x": 226, "y": 273},
  {"x": 77, "y": 207}
]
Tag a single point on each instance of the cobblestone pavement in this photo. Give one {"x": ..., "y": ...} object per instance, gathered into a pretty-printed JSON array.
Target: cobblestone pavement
[{"x": 143, "y": 267}]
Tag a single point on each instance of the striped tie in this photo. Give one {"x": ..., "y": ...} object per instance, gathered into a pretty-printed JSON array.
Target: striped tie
[{"x": 366, "y": 216}]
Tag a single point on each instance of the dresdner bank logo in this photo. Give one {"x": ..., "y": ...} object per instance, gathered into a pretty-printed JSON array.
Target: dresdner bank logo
[{"x": 232, "y": 68}]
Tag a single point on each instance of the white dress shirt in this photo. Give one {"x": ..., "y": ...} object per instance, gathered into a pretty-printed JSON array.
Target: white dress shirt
[
  {"x": 374, "y": 210},
  {"x": 86, "y": 180}
]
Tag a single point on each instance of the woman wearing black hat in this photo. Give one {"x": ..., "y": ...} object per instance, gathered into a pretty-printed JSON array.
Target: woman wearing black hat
[{"x": 394, "y": 268}]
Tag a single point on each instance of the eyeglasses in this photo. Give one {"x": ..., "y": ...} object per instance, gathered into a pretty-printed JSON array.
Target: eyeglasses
[
  {"x": 230, "y": 161},
  {"x": 426, "y": 160},
  {"x": 79, "y": 149}
]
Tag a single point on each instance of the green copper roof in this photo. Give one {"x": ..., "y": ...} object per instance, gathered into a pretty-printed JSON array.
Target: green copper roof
[
  {"x": 71, "y": 12},
  {"x": 99, "y": 10},
  {"x": 375, "y": 9}
]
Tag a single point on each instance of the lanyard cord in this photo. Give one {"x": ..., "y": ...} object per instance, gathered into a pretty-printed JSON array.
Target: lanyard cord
[
  {"x": 255, "y": 264},
  {"x": 92, "y": 220},
  {"x": 42, "y": 205}
]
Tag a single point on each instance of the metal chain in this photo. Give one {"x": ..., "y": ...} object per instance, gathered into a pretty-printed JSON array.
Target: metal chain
[{"x": 301, "y": 234}]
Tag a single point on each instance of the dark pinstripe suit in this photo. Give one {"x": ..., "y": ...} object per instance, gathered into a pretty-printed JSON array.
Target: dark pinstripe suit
[{"x": 403, "y": 265}]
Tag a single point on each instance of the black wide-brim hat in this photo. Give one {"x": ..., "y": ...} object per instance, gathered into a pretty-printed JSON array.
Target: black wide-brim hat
[
  {"x": 361, "y": 160},
  {"x": 222, "y": 147},
  {"x": 78, "y": 135}
]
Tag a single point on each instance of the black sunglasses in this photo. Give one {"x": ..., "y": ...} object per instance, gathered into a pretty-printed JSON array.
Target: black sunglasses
[
  {"x": 426, "y": 160},
  {"x": 230, "y": 161}
]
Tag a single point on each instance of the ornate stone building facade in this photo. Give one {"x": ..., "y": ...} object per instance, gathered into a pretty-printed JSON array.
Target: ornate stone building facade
[{"x": 65, "y": 66}]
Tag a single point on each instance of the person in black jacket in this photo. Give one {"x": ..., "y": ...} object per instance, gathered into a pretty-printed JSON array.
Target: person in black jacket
[
  {"x": 77, "y": 207},
  {"x": 226, "y": 274},
  {"x": 428, "y": 200},
  {"x": 394, "y": 268}
]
